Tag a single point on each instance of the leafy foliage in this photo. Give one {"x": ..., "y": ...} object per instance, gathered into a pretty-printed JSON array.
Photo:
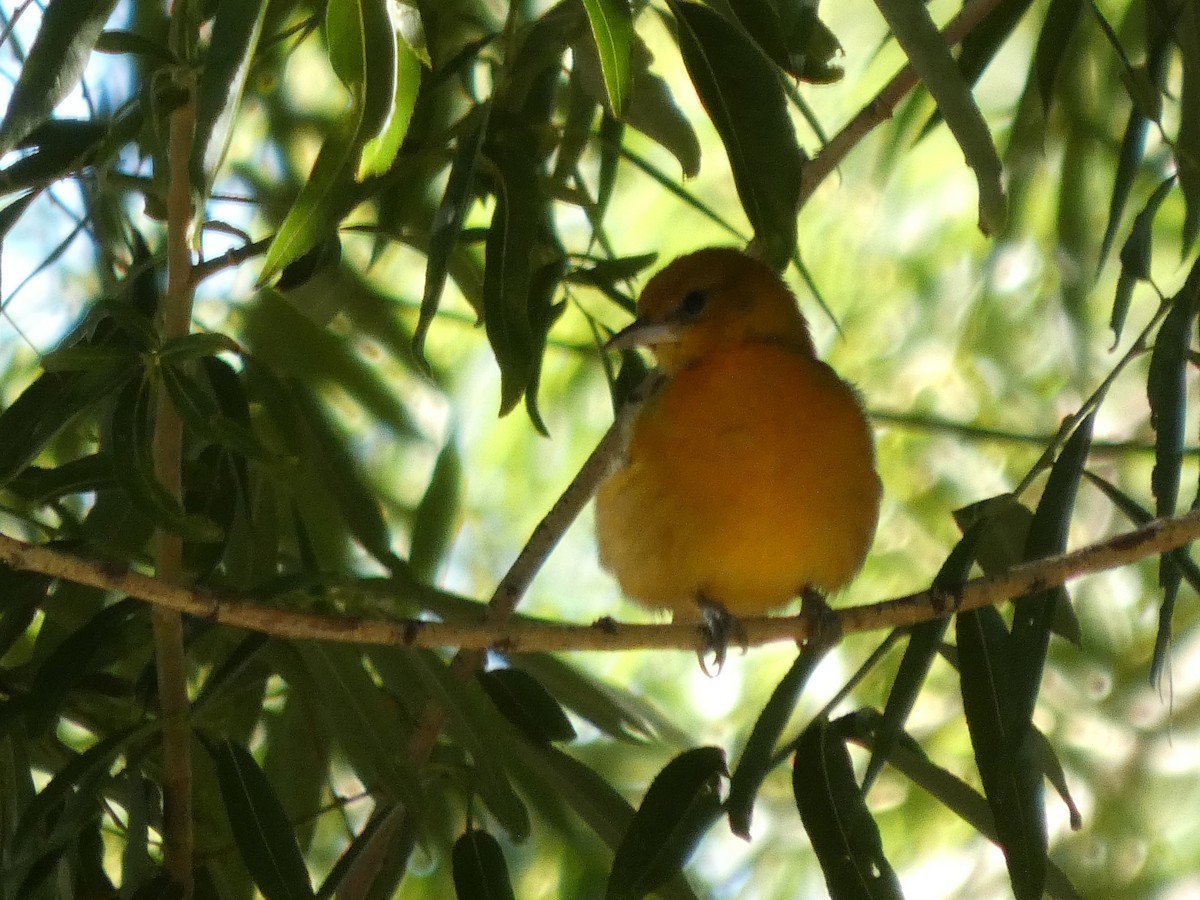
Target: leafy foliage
[{"x": 372, "y": 177}]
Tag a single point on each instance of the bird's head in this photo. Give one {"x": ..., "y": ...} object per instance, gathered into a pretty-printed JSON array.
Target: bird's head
[{"x": 713, "y": 298}]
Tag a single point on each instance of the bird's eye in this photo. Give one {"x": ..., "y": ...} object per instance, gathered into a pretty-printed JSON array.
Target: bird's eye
[{"x": 692, "y": 304}]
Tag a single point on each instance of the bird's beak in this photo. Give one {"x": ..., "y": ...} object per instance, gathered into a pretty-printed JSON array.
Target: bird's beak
[{"x": 643, "y": 333}]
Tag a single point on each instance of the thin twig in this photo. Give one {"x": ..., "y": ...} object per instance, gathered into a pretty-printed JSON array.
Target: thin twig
[
  {"x": 881, "y": 108},
  {"x": 1153, "y": 539},
  {"x": 934, "y": 424},
  {"x": 533, "y": 555}
]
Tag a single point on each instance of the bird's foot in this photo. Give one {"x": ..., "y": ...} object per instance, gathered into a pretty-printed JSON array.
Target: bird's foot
[
  {"x": 718, "y": 627},
  {"x": 824, "y": 627}
]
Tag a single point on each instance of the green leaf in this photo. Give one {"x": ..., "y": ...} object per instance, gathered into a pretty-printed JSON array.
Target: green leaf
[
  {"x": 324, "y": 199},
  {"x": 617, "y": 713},
  {"x": 44, "y": 409},
  {"x": 680, "y": 806},
  {"x": 362, "y": 52},
  {"x": 380, "y": 151},
  {"x": 21, "y": 593},
  {"x": 1058, "y": 27},
  {"x": 1004, "y": 749},
  {"x": 508, "y": 253},
  {"x": 39, "y": 485},
  {"x": 523, "y": 701},
  {"x": 923, "y": 644},
  {"x": 479, "y": 869},
  {"x": 53, "y": 66},
  {"x": 11, "y": 214},
  {"x": 1135, "y": 256},
  {"x": 1035, "y": 614},
  {"x": 612, "y": 29},
  {"x": 359, "y": 715},
  {"x": 1166, "y": 388},
  {"x": 740, "y": 91},
  {"x": 130, "y": 434},
  {"x": 437, "y": 516},
  {"x": 77, "y": 778},
  {"x": 293, "y": 345},
  {"x": 926, "y": 50},
  {"x": 117, "y": 41},
  {"x": 448, "y": 220},
  {"x": 236, "y": 27},
  {"x": 979, "y": 47},
  {"x": 844, "y": 836},
  {"x": 543, "y": 314},
  {"x": 651, "y": 108},
  {"x": 260, "y": 827},
  {"x": 345, "y": 479},
  {"x": 296, "y": 762},
  {"x": 1187, "y": 149},
  {"x": 755, "y": 761},
  {"x": 473, "y": 721},
  {"x": 1133, "y": 142},
  {"x": 202, "y": 415},
  {"x": 110, "y": 634},
  {"x": 907, "y": 758},
  {"x": 1182, "y": 558}
]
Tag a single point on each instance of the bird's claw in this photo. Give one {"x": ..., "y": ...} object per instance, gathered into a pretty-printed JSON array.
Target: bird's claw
[
  {"x": 717, "y": 629},
  {"x": 824, "y": 628}
]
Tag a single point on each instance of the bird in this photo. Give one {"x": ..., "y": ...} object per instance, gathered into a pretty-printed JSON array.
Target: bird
[{"x": 749, "y": 475}]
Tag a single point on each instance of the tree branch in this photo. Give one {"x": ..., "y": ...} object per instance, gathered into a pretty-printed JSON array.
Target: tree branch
[
  {"x": 1153, "y": 539},
  {"x": 169, "y": 654}
]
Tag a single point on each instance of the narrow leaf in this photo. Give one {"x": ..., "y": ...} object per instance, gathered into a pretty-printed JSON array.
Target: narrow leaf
[
  {"x": 361, "y": 718},
  {"x": 448, "y": 220},
  {"x": 1034, "y": 615},
  {"x": 740, "y": 91},
  {"x": 1187, "y": 149},
  {"x": 436, "y": 519},
  {"x": 918, "y": 36},
  {"x": 235, "y": 32},
  {"x": 612, "y": 29},
  {"x": 260, "y": 827},
  {"x": 844, "y": 836},
  {"x": 1135, "y": 256},
  {"x": 473, "y": 721},
  {"x": 508, "y": 255},
  {"x": 1062, "y": 17},
  {"x": 53, "y": 66},
  {"x": 755, "y": 761},
  {"x": 380, "y": 151},
  {"x": 918, "y": 656},
  {"x": 1008, "y": 767},
  {"x": 523, "y": 701}
]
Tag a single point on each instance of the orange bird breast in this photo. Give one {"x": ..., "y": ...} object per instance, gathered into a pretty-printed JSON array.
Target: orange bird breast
[{"x": 750, "y": 474}]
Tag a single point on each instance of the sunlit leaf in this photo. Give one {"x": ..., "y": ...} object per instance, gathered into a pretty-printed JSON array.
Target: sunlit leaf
[
  {"x": 235, "y": 32},
  {"x": 612, "y": 30}
]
